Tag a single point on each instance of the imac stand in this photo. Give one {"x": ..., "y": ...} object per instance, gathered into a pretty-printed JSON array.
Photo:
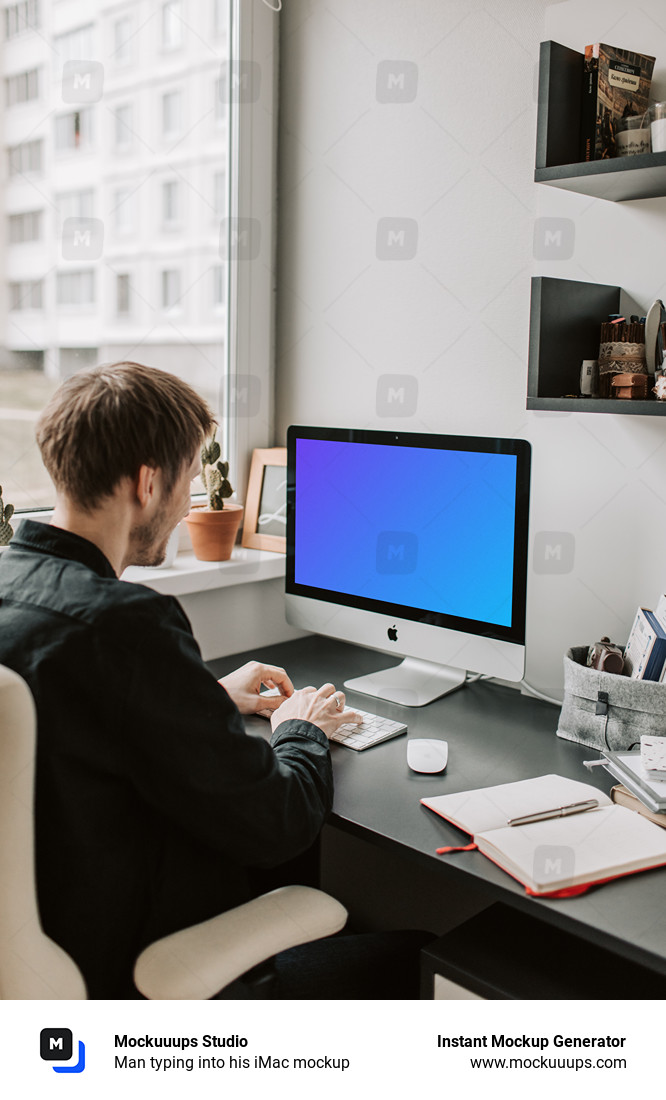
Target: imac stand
[{"x": 412, "y": 683}]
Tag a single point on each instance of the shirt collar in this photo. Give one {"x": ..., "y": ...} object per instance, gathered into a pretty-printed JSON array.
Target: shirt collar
[{"x": 47, "y": 539}]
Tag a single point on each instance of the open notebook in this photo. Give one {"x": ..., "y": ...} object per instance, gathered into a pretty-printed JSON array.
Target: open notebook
[{"x": 560, "y": 857}]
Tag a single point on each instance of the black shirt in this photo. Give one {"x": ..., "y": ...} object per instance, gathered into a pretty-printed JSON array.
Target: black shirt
[{"x": 150, "y": 798}]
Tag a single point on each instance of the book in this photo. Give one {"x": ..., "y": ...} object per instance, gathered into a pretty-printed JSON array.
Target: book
[
  {"x": 624, "y": 797},
  {"x": 562, "y": 856},
  {"x": 628, "y": 768},
  {"x": 616, "y": 84},
  {"x": 660, "y": 611},
  {"x": 645, "y": 652}
]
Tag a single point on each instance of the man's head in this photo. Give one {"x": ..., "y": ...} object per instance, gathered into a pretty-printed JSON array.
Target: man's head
[
  {"x": 103, "y": 424},
  {"x": 129, "y": 436}
]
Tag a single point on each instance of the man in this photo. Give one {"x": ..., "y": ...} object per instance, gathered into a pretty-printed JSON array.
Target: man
[{"x": 151, "y": 801}]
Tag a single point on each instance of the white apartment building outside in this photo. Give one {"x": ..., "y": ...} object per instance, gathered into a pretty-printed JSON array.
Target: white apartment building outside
[{"x": 115, "y": 126}]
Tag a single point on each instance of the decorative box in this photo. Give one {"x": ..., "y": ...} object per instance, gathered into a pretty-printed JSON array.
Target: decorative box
[{"x": 630, "y": 386}]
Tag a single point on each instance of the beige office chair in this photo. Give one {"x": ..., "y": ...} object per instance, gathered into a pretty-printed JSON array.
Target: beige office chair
[{"x": 193, "y": 964}]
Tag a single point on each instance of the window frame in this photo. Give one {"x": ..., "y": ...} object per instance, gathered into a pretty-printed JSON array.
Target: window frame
[{"x": 253, "y": 194}]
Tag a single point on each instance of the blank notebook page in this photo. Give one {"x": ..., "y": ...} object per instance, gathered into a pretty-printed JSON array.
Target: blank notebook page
[{"x": 492, "y": 807}]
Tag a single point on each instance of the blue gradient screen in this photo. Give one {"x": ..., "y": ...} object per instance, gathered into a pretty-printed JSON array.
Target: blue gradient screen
[{"x": 414, "y": 527}]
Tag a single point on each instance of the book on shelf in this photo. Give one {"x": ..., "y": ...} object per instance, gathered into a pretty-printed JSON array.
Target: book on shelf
[
  {"x": 624, "y": 797},
  {"x": 560, "y": 856},
  {"x": 616, "y": 84},
  {"x": 645, "y": 652}
]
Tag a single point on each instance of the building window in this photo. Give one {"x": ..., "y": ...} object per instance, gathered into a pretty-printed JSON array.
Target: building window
[
  {"x": 172, "y": 25},
  {"x": 21, "y": 17},
  {"x": 25, "y": 227},
  {"x": 75, "y": 288},
  {"x": 74, "y": 131},
  {"x": 122, "y": 295},
  {"x": 123, "y": 210},
  {"x": 26, "y": 295},
  {"x": 122, "y": 128},
  {"x": 22, "y": 87},
  {"x": 75, "y": 204},
  {"x": 76, "y": 45},
  {"x": 25, "y": 158},
  {"x": 122, "y": 40},
  {"x": 171, "y": 106},
  {"x": 170, "y": 289},
  {"x": 170, "y": 203}
]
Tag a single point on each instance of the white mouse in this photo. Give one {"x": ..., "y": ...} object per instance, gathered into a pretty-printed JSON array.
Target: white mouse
[{"x": 427, "y": 754}]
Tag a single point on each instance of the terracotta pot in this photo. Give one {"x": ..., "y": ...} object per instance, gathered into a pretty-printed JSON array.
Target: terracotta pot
[{"x": 213, "y": 534}]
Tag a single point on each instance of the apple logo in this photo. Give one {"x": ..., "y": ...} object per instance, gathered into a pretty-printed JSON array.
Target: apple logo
[{"x": 392, "y": 633}]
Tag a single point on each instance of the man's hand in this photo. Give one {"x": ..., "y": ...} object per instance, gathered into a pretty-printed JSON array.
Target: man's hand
[
  {"x": 324, "y": 708},
  {"x": 244, "y": 686}
]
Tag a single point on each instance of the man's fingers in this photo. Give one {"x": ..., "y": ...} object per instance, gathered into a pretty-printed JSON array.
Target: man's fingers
[
  {"x": 274, "y": 676},
  {"x": 272, "y": 702}
]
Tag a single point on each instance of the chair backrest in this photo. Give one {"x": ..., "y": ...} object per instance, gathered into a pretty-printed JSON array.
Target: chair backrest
[{"x": 32, "y": 966}]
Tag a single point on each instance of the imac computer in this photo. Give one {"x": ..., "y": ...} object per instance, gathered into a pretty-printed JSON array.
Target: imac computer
[{"x": 414, "y": 545}]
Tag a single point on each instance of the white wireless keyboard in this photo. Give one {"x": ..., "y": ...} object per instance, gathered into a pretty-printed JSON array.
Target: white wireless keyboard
[{"x": 370, "y": 731}]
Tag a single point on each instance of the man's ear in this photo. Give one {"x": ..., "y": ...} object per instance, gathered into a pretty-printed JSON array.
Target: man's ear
[{"x": 145, "y": 485}]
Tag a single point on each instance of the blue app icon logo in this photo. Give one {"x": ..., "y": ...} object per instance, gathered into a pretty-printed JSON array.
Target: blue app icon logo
[{"x": 56, "y": 1045}]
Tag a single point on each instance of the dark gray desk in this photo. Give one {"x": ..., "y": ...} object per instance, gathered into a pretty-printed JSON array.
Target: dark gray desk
[{"x": 495, "y": 735}]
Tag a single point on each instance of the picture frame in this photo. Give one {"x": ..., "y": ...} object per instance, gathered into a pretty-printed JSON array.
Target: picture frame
[{"x": 265, "y": 521}]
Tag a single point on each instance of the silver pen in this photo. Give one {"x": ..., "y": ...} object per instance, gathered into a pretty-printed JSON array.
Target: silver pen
[{"x": 559, "y": 811}]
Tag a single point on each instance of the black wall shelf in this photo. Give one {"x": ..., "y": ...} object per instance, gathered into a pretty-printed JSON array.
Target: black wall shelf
[
  {"x": 558, "y": 127},
  {"x": 565, "y": 318}
]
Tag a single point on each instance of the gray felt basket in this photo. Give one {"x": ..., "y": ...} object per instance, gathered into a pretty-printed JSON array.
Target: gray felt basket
[{"x": 605, "y": 711}]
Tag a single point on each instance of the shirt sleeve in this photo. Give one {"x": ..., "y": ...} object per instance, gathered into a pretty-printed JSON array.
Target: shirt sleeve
[{"x": 188, "y": 756}]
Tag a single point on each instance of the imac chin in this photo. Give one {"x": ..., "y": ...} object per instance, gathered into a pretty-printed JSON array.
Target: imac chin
[{"x": 414, "y": 545}]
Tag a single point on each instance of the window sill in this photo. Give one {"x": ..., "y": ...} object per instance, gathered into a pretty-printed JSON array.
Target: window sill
[{"x": 188, "y": 574}]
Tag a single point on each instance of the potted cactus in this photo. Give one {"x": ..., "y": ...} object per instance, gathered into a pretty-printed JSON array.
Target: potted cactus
[
  {"x": 213, "y": 527},
  {"x": 6, "y": 529}
]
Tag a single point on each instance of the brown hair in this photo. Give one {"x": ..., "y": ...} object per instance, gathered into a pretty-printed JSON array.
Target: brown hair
[{"x": 103, "y": 424}]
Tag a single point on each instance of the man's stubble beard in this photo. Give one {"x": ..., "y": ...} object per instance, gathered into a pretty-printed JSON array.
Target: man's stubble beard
[{"x": 146, "y": 549}]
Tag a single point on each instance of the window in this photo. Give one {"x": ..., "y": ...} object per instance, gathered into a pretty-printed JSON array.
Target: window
[
  {"x": 25, "y": 158},
  {"x": 74, "y": 131},
  {"x": 76, "y": 204},
  {"x": 21, "y": 17},
  {"x": 172, "y": 25},
  {"x": 170, "y": 289},
  {"x": 144, "y": 276},
  {"x": 170, "y": 199},
  {"x": 122, "y": 40},
  {"x": 171, "y": 114},
  {"x": 122, "y": 128},
  {"x": 22, "y": 87},
  {"x": 76, "y": 45},
  {"x": 26, "y": 295},
  {"x": 123, "y": 209},
  {"x": 75, "y": 288},
  {"x": 122, "y": 295},
  {"x": 25, "y": 227}
]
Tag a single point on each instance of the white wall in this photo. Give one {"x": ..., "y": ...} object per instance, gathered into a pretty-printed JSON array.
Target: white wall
[{"x": 458, "y": 160}]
